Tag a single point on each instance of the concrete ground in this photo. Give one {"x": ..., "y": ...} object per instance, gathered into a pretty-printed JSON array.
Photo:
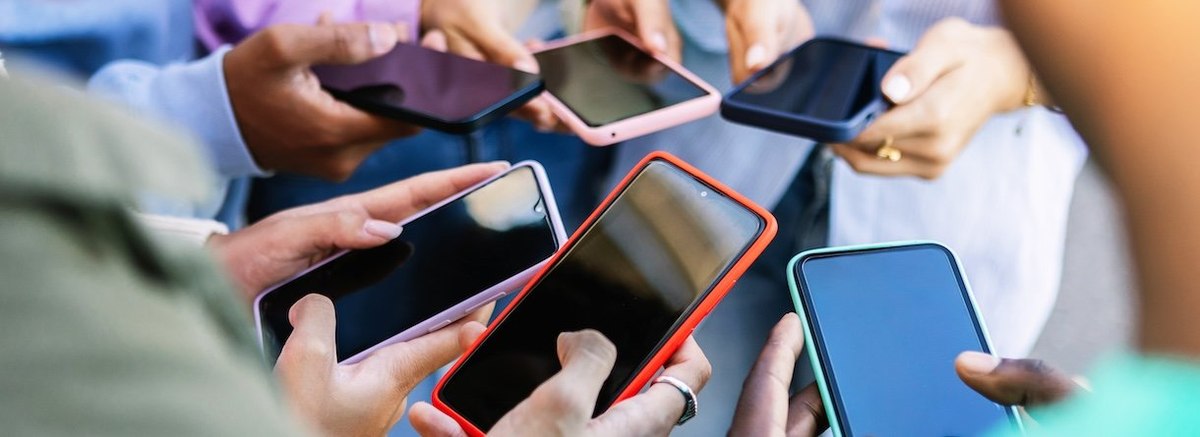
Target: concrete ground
[{"x": 1094, "y": 309}]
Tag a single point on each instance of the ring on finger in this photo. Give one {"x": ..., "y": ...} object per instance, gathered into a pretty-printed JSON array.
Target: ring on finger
[
  {"x": 690, "y": 406},
  {"x": 887, "y": 151}
]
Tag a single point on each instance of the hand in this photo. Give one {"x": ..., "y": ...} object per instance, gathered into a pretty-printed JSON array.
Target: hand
[
  {"x": 290, "y": 241},
  {"x": 474, "y": 28},
  {"x": 764, "y": 407},
  {"x": 649, "y": 20},
  {"x": 1021, "y": 382},
  {"x": 956, "y": 78},
  {"x": 287, "y": 121},
  {"x": 760, "y": 30},
  {"x": 368, "y": 397},
  {"x": 562, "y": 406}
]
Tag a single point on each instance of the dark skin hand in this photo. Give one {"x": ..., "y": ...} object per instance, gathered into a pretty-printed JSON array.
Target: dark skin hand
[
  {"x": 287, "y": 121},
  {"x": 765, "y": 407}
]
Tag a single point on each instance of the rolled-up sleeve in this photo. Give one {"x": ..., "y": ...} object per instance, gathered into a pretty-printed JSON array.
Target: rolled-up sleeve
[{"x": 190, "y": 95}]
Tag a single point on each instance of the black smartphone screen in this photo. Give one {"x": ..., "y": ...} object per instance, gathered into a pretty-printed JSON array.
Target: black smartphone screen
[
  {"x": 440, "y": 260},
  {"x": 824, "y": 79},
  {"x": 607, "y": 79},
  {"x": 441, "y": 86},
  {"x": 634, "y": 275},
  {"x": 889, "y": 324}
]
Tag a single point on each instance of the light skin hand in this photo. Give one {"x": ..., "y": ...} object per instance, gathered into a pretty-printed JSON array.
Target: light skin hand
[
  {"x": 958, "y": 76},
  {"x": 475, "y": 29},
  {"x": 368, "y": 397},
  {"x": 287, "y": 121},
  {"x": 648, "y": 20},
  {"x": 562, "y": 406},
  {"x": 290, "y": 241},
  {"x": 760, "y": 30}
]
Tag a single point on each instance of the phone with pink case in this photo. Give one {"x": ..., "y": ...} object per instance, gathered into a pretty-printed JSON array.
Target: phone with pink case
[
  {"x": 452, "y": 258},
  {"x": 607, "y": 88}
]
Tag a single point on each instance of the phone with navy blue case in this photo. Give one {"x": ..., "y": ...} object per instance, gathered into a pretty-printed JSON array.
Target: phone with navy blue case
[
  {"x": 883, "y": 325},
  {"x": 438, "y": 90},
  {"x": 827, "y": 90}
]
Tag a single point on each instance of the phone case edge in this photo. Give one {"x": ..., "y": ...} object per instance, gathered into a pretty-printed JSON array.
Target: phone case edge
[
  {"x": 675, "y": 340},
  {"x": 814, "y": 360},
  {"x": 457, "y": 311}
]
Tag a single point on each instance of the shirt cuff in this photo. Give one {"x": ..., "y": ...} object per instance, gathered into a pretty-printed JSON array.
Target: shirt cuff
[
  {"x": 395, "y": 11},
  {"x": 194, "y": 231},
  {"x": 191, "y": 95}
]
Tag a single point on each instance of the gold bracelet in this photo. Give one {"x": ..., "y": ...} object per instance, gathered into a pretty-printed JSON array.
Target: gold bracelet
[{"x": 1031, "y": 95}]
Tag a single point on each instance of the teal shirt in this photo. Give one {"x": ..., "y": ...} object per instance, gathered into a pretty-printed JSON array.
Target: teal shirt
[{"x": 1132, "y": 395}]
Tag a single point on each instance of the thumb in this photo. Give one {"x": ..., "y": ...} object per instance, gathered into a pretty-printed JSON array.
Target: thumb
[
  {"x": 337, "y": 230},
  {"x": 656, "y": 29},
  {"x": 411, "y": 361},
  {"x": 308, "y": 356},
  {"x": 1023, "y": 382},
  {"x": 429, "y": 422},
  {"x": 753, "y": 40},
  {"x": 568, "y": 398},
  {"x": 349, "y": 43},
  {"x": 915, "y": 72}
]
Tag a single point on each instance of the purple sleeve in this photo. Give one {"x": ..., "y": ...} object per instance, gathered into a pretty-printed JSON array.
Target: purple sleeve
[{"x": 229, "y": 21}]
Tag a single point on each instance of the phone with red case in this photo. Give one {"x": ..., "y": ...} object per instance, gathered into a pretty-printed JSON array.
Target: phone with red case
[
  {"x": 607, "y": 88},
  {"x": 452, "y": 258},
  {"x": 648, "y": 265}
]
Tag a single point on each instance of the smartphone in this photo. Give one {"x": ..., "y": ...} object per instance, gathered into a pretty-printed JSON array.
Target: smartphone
[
  {"x": 883, "y": 325},
  {"x": 608, "y": 89},
  {"x": 451, "y": 259},
  {"x": 644, "y": 269},
  {"x": 430, "y": 88},
  {"x": 827, "y": 90}
]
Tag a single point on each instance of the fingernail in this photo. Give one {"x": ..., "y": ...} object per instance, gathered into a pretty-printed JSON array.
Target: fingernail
[
  {"x": 756, "y": 56},
  {"x": 504, "y": 163},
  {"x": 978, "y": 362},
  {"x": 382, "y": 229},
  {"x": 896, "y": 88},
  {"x": 658, "y": 42},
  {"x": 526, "y": 65},
  {"x": 382, "y": 36},
  {"x": 402, "y": 32}
]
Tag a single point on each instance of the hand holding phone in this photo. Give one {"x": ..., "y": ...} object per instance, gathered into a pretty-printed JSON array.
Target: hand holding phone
[
  {"x": 608, "y": 89},
  {"x": 643, "y": 270},
  {"x": 826, "y": 90},
  {"x": 451, "y": 259},
  {"x": 562, "y": 406},
  {"x": 438, "y": 90},
  {"x": 884, "y": 325}
]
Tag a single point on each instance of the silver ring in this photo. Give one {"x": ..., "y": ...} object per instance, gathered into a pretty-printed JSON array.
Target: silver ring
[{"x": 690, "y": 406}]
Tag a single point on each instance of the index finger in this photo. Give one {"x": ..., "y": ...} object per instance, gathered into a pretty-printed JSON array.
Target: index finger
[
  {"x": 764, "y": 399},
  {"x": 398, "y": 200}
]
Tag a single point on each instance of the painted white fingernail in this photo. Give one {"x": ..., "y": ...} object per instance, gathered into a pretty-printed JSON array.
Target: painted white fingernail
[
  {"x": 382, "y": 36},
  {"x": 756, "y": 56},
  {"x": 526, "y": 65},
  {"x": 382, "y": 229},
  {"x": 896, "y": 88},
  {"x": 978, "y": 362},
  {"x": 658, "y": 42}
]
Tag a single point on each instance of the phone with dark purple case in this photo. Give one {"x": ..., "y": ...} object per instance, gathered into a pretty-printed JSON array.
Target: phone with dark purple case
[
  {"x": 430, "y": 88},
  {"x": 827, "y": 90}
]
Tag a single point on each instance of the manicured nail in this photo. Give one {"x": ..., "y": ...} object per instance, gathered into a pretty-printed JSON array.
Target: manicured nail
[
  {"x": 896, "y": 88},
  {"x": 658, "y": 42},
  {"x": 978, "y": 362},
  {"x": 382, "y": 229},
  {"x": 526, "y": 65},
  {"x": 756, "y": 56},
  {"x": 382, "y": 36},
  {"x": 504, "y": 163}
]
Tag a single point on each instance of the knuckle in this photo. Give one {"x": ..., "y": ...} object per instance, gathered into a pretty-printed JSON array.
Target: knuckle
[{"x": 274, "y": 41}]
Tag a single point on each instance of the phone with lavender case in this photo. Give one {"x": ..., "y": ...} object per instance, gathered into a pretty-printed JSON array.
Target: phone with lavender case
[{"x": 451, "y": 259}]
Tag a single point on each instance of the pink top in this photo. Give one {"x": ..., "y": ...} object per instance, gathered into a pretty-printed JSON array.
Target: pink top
[{"x": 221, "y": 22}]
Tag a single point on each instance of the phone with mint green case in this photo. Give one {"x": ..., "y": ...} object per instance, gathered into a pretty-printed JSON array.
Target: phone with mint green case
[{"x": 812, "y": 346}]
